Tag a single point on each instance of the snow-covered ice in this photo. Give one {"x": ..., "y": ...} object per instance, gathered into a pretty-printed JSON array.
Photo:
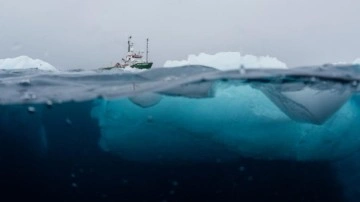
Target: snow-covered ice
[
  {"x": 25, "y": 62},
  {"x": 228, "y": 61}
]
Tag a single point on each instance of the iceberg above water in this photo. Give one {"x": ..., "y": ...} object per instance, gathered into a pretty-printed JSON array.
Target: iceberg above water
[
  {"x": 25, "y": 62},
  {"x": 357, "y": 61},
  {"x": 228, "y": 61}
]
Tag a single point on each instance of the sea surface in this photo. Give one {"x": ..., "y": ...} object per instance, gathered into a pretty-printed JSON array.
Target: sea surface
[{"x": 190, "y": 133}]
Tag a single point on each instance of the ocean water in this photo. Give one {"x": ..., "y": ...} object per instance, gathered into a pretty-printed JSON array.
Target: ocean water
[{"x": 191, "y": 133}]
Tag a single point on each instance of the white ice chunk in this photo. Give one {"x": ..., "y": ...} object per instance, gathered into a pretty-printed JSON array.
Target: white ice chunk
[
  {"x": 357, "y": 61},
  {"x": 25, "y": 62},
  {"x": 228, "y": 61}
]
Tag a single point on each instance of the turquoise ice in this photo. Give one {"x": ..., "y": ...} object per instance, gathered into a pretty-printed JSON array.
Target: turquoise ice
[{"x": 238, "y": 120}]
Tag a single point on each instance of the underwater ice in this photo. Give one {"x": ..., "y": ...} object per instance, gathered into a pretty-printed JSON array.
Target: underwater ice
[
  {"x": 238, "y": 120},
  {"x": 266, "y": 121}
]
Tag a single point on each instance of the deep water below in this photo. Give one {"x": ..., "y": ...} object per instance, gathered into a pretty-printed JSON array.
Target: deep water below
[{"x": 72, "y": 167}]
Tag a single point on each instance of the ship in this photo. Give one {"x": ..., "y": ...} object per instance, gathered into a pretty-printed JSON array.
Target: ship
[{"x": 134, "y": 59}]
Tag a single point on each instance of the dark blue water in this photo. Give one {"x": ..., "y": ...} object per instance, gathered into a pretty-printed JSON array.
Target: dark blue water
[
  {"x": 51, "y": 151},
  {"x": 74, "y": 168}
]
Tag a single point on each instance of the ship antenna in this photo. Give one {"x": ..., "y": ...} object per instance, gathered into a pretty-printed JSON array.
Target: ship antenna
[{"x": 147, "y": 49}]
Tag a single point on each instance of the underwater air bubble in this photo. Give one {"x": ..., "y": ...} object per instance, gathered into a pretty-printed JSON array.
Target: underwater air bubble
[{"x": 31, "y": 110}]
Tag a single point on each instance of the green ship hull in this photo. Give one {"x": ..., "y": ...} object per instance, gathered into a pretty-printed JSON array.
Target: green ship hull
[{"x": 142, "y": 65}]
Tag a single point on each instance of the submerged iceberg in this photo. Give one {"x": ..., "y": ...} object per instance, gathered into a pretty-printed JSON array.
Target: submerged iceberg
[
  {"x": 301, "y": 121},
  {"x": 239, "y": 120},
  {"x": 25, "y": 62}
]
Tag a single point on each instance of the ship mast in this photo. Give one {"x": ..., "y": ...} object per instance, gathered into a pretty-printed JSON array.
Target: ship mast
[
  {"x": 147, "y": 49},
  {"x": 129, "y": 43}
]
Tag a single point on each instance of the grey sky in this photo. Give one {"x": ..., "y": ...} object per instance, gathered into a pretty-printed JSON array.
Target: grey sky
[{"x": 91, "y": 34}]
